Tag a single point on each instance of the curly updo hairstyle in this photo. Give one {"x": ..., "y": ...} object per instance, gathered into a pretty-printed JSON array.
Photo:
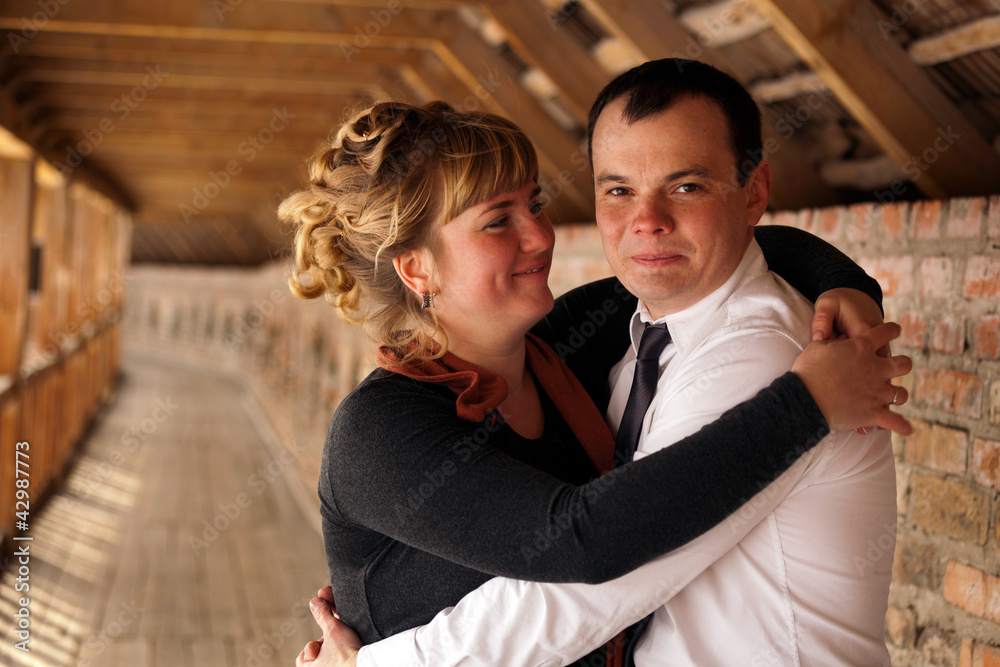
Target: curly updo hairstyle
[{"x": 382, "y": 186}]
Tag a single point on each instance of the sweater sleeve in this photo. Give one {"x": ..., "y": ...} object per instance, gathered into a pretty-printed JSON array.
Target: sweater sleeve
[
  {"x": 424, "y": 478},
  {"x": 810, "y": 264}
]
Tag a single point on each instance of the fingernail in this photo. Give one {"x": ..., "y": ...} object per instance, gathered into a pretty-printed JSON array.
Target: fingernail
[
  {"x": 314, "y": 604},
  {"x": 817, "y": 334}
]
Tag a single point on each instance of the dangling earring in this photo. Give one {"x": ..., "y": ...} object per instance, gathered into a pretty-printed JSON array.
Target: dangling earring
[{"x": 428, "y": 300}]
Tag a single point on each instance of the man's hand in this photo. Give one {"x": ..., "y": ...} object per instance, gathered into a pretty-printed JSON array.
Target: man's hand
[
  {"x": 844, "y": 311},
  {"x": 339, "y": 645}
]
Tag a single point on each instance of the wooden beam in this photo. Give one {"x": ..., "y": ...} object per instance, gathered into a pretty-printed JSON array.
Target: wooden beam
[
  {"x": 888, "y": 94},
  {"x": 723, "y": 23},
  {"x": 787, "y": 87},
  {"x": 559, "y": 155},
  {"x": 553, "y": 49},
  {"x": 974, "y": 36},
  {"x": 868, "y": 174}
]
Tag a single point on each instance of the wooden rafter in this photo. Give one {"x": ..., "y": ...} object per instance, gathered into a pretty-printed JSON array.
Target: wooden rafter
[{"x": 888, "y": 94}]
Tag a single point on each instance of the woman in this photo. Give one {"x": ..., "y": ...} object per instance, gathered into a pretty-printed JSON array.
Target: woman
[{"x": 443, "y": 467}]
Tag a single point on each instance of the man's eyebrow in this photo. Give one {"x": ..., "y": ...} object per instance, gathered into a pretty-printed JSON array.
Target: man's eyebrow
[
  {"x": 696, "y": 171},
  {"x": 510, "y": 202},
  {"x": 610, "y": 178}
]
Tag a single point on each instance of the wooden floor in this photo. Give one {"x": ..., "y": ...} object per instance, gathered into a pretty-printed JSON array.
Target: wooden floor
[{"x": 177, "y": 540}]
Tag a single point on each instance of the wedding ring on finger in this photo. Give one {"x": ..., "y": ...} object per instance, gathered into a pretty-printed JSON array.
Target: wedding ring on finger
[{"x": 895, "y": 395}]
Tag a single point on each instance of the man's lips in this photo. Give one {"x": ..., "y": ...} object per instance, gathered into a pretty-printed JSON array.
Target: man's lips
[{"x": 657, "y": 259}]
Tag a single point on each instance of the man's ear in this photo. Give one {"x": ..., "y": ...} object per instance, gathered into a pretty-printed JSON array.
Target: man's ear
[
  {"x": 758, "y": 192},
  {"x": 416, "y": 269}
]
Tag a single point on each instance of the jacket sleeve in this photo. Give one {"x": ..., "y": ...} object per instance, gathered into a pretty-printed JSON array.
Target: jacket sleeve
[{"x": 407, "y": 468}]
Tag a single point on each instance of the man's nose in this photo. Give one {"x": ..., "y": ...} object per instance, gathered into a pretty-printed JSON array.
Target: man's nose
[{"x": 653, "y": 216}]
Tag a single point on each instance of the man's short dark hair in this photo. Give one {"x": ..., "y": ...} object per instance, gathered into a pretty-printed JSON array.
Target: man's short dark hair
[{"x": 655, "y": 86}]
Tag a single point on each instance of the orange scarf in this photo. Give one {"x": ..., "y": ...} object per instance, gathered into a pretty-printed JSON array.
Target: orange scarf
[{"x": 480, "y": 392}]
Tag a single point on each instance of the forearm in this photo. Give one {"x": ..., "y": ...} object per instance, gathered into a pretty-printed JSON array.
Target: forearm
[{"x": 512, "y": 622}]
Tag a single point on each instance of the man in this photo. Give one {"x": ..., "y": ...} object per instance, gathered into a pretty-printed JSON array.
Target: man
[{"x": 679, "y": 184}]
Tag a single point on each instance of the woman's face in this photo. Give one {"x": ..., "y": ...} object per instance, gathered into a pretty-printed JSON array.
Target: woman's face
[{"x": 491, "y": 268}]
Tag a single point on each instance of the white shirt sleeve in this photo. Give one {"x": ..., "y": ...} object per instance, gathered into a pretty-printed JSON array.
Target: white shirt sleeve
[{"x": 511, "y": 622}]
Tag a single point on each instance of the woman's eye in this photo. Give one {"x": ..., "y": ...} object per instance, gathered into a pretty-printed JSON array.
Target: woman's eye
[
  {"x": 498, "y": 223},
  {"x": 536, "y": 207}
]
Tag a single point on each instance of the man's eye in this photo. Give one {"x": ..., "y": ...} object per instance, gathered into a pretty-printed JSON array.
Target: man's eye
[
  {"x": 617, "y": 192},
  {"x": 688, "y": 187}
]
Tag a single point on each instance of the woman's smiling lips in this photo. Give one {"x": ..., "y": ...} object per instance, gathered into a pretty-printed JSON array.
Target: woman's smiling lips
[{"x": 534, "y": 269}]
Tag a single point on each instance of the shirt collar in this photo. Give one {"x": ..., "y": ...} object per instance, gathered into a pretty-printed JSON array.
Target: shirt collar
[{"x": 687, "y": 327}]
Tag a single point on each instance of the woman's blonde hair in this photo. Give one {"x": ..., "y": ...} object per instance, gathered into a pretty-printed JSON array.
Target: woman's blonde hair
[{"x": 381, "y": 187}]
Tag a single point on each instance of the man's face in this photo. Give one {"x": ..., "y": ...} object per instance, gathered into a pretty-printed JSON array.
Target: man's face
[{"x": 673, "y": 221}]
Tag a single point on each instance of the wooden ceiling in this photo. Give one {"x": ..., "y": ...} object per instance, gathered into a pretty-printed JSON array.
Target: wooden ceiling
[{"x": 198, "y": 115}]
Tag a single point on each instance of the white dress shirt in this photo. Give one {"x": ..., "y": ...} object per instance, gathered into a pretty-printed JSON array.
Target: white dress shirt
[{"x": 798, "y": 576}]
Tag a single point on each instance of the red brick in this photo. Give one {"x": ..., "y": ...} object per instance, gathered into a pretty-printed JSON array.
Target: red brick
[
  {"x": 959, "y": 393},
  {"x": 828, "y": 222},
  {"x": 986, "y": 462},
  {"x": 935, "y": 276},
  {"x": 927, "y": 220},
  {"x": 970, "y": 655},
  {"x": 900, "y": 626},
  {"x": 965, "y": 217},
  {"x": 992, "y": 611},
  {"x": 950, "y": 508},
  {"x": 938, "y": 447},
  {"x": 965, "y": 587},
  {"x": 986, "y": 337},
  {"x": 790, "y": 219},
  {"x": 894, "y": 274},
  {"x": 982, "y": 278},
  {"x": 948, "y": 336},
  {"x": 993, "y": 220},
  {"x": 859, "y": 220},
  {"x": 914, "y": 333},
  {"x": 894, "y": 218}
]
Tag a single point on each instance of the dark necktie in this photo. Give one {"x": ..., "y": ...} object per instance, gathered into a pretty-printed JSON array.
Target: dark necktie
[
  {"x": 647, "y": 363},
  {"x": 655, "y": 337}
]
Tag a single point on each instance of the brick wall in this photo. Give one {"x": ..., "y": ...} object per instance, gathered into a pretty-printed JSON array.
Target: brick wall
[{"x": 939, "y": 266}]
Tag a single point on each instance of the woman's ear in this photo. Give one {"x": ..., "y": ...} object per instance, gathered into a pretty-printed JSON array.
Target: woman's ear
[{"x": 416, "y": 269}]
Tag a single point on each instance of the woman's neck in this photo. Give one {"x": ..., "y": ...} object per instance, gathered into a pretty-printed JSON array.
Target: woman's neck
[{"x": 522, "y": 409}]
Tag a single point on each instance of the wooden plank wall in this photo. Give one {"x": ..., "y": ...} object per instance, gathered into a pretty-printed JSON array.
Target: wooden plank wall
[{"x": 59, "y": 331}]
